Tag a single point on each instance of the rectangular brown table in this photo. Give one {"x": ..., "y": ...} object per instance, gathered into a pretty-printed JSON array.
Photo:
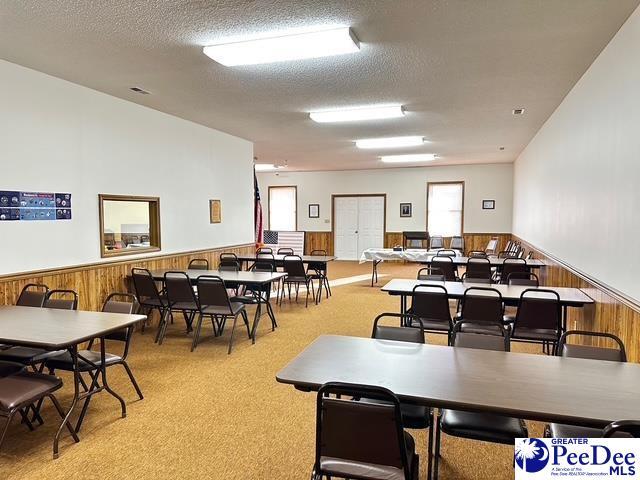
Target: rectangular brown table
[
  {"x": 242, "y": 277},
  {"x": 53, "y": 330},
  {"x": 533, "y": 387},
  {"x": 569, "y": 297}
]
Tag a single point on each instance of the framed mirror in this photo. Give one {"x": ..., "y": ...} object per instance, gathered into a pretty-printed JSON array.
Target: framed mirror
[{"x": 129, "y": 224}]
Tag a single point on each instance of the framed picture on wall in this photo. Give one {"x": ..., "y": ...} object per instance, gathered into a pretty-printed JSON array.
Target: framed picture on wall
[
  {"x": 405, "y": 209},
  {"x": 215, "y": 211},
  {"x": 314, "y": 210},
  {"x": 488, "y": 204}
]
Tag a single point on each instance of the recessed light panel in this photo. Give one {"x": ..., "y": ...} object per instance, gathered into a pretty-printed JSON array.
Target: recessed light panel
[
  {"x": 299, "y": 46},
  {"x": 390, "y": 142},
  {"x": 374, "y": 112},
  {"x": 418, "y": 157}
]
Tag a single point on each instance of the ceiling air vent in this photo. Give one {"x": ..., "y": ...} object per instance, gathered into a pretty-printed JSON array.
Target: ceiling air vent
[
  {"x": 518, "y": 111},
  {"x": 139, "y": 90}
]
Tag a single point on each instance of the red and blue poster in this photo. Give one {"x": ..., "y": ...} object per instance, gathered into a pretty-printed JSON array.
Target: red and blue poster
[{"x": 34, "y": 206}]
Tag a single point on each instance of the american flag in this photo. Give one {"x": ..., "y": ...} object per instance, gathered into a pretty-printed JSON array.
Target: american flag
[
  {"x": 276, "y": 240},
  {"x": 257, "y": 211}
]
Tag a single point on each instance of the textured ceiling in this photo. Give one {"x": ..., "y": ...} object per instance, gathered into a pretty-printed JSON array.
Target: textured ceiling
[{"x": 459, "y": 67}]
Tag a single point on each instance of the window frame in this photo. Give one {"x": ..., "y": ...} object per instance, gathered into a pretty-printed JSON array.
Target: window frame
[
  {"x": 154, "y": 224},
  {"x": 295, "y": 189},
  {"x": 456, "y": 182}
]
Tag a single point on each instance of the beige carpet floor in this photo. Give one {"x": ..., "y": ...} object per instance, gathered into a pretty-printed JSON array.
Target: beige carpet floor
[{"x": 209, "y": 415}]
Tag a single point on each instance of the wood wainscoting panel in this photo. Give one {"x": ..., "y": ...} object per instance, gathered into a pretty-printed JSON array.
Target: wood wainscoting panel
[
  {"x": 318, "y": 241},
  {"x": 93, "y": 282},
  {"x": 612, "y": 312},
  {"x": 472, "y": 241},
  {"x": 391, "y": 239}
]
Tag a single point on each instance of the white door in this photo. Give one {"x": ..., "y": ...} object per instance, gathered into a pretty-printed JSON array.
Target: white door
[
  {"x": 370, "y": 223},
  {"x": 346, "y": 228},
  {"x": 359, "y": 224}
]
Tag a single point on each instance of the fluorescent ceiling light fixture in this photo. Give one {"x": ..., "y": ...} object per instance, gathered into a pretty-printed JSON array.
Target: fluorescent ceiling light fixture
[
  {"x": 312, "y": 44},
  {"x": 390, "y": 142},
  {"x": 418, "y": 157},
  {"x": 265, "y": 167},
  {"x": 375, "y": 112}
]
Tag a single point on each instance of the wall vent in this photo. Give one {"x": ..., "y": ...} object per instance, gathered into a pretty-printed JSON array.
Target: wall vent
[
  {"x": 518, "y": 111},
  {"x": 139, "y": 90}
]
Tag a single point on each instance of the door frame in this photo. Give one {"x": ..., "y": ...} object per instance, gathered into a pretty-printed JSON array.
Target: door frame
[{"x": 333, "y": 210}]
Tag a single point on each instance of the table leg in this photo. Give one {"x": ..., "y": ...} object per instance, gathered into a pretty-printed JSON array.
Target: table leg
[
  {"x": 256, "y": 319},
  {"x": 564, "y": 318},
  {"x": 105, "y": 384},
  {"x": 374, "y": 272},
  {"x": 73, "y": 351}
]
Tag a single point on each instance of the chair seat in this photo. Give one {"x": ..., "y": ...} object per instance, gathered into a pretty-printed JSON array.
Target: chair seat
[
  {"x": 9, "y": 368},
  {"x": 440, "y": 326},
  {"x": 593, "y": 353},
  {"x": 236, "y": 307},
  {"x": 534, "y": 334},
  {"x": 482, "y": 328},
  {"x": 482, "y": 426},
  {"x": 559, "y": 430},
  {"x": 344, "y": 468},
  {"x": 27, "y": 355},
  {"x": 64, "y": 361},
  {"x": 291, "y": 279},
  {"x": 154, "y": 302},
  {"x": 184, "y": 306},
  {"x": 413, "y": 416},
  {"x": 24, "y": 388}
]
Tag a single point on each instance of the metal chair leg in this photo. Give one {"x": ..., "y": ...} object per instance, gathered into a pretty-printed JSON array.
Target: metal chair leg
[
  {"x": 196, "y": 333},
  {"x": 436, "y": 460},
  {"x": 430, "y": 445},
  {"x": 132, "y": 378},
  {"x": 233, "y": 327},
  {"x": 6, "y": 427},
  {"x": 245, "y": 318}
]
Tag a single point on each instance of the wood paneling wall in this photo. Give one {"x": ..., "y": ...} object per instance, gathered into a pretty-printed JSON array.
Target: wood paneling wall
[
  {"x": 612, "y": 312},
  {"x": 473, "y": 241},
  {"x": 95, "y": 281}
]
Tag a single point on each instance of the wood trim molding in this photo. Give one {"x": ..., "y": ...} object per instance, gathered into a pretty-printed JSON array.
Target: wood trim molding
[
  {"x": 110, "y": 263},
  {"x": 608, "y": 289}
]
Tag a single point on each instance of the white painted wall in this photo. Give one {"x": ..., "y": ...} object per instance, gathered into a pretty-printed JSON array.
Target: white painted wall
[
  {"x": 56, "y": 136},
  {"x": 577, "y": 184},
  {"x": 402, "y": 185}
]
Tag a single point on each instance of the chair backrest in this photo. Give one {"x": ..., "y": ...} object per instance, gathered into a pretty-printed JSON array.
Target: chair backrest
[
  {"x": 478, "y": 267},
  {"x": 538, "y": 309},
  {"x": 482, "y": 305},
  {"x": 446, "y": 266},
  {"x": 467, "y": 279},
  {"x": 492, "y": 246},
  {"x": 61, "y": 300},
  {"x": 321, "y": 253},
  {"x": 529, "y": 255},
  {"x": 199, "y": 264},
  {"x": 212, "y": 292},
  {"x": 228, "y": 256},
  {"x": 264, "y": 250},
  {"x": 431, "y": 303},
  {"x": 523, "y": 278},
  {"x": 477, "y": 253},
  {"x": 400, "y": 334},
  {"x": 512, "y": 265},
  {"x": 124, "y": 303},
  {"x": 293, "y": 266},
  {"x": 507, "y": 254},
  {"x": 481, "y": 341},
  {"x": 360, "y": 432},
  {"x": 285, "y": 251},
  {"x": 446, "y": 252},
  {"x": 178, "y": 287},
  {"x": 457, "y": 243},
  {"x": 632, "y": 427},
  {"x": 436, "y": 241},
  {"x": 319, "y": 267},
  {"x": 144, "y": 285},
  {"x": 228, "y": 265},
  {"x": 430, "y": 273},
  {"x": 261, "y": 266},
  {"x": 32, "y": 295},
  {"x": 565, "y": 349}
]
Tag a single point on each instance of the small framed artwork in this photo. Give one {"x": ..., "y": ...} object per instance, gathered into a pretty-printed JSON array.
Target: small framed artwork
[
  {"x": 215, "y": 211},
  {"x": 488, "y": 204},
  {"x": 405, "y": 209},
  {"x": 314, "y": 210}
]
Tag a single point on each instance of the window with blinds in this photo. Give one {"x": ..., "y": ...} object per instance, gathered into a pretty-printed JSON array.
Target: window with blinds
[
  {"x": 282, "y": 209},
  {"x": 445, "y": 206}
]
